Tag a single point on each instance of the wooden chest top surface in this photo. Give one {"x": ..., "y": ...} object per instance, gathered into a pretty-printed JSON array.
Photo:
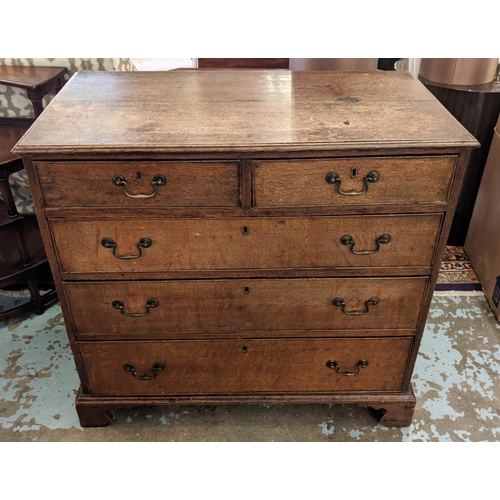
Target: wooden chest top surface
[{"x": 241, "y": 111}]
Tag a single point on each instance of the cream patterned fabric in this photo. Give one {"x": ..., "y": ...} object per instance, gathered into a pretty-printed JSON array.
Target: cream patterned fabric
[
  {"x": 21, "y": 192},
  {"x": 14, "y": 103}
]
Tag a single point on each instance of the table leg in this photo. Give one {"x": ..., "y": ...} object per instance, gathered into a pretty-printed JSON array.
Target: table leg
[
  {"x": 60, "y": 84},
  {"x": 36, "y": 99},
  {"x": 37, "y": 107}
]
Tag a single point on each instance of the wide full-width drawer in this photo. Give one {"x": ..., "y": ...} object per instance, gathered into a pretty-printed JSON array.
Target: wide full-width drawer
[
  {"x": 176, "y": 306},
  {"x": 352, "y": 181},
  {"x": 139, "y": 184},
  {"x": 244, "y": 366},
  {"x": 156, "y": 245}
]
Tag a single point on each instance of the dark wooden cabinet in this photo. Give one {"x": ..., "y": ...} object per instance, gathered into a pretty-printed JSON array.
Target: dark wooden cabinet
[
  {"x": 243, "y": 63},
  {"x": 245, "y": 236},
  {"x": 477, "y": 108}
]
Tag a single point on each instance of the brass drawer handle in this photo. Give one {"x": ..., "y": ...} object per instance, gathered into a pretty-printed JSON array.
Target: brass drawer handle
[
  {"x": 334, "y": 178},
  {"x": 348, "y": 240},
  {"x": 143, "y": 243},
  {"x": 362, "y": 363},
  {"x": 340, "y": 302},
  {"x": 150, "y": 304},
  {"x": 158, "y": 180},
  {"x": 157, "y": 367}
]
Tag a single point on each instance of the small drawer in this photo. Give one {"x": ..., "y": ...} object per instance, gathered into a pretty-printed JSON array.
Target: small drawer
[
  {"x": 139, "y": 184},
  {"x": 165, "y": 245},
  {"x": 243, "y": 366},
  {"x": 178, "y": 307},
  {"x": 326, "y": 182}
]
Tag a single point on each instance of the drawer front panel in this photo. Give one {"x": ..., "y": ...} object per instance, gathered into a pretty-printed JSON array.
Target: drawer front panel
[
  {"x": 239, "y": 366},
  {"x": 352, "y": 181},
  {"x": 184, "y": 184},
  {"x": 162, "y": 245},
  {"x": 166, "y": 307}
]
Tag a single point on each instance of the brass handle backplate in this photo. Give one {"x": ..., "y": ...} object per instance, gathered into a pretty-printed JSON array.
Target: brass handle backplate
[
  {"x": 157, "y": 367},
  {"x": 348, "y": 240},
  {"x": 150, "y": 304},
  {"x": 362, "y": 363},
  {"x": 158, "y": 180},
  {"x": 142, "y": 243},
  {"x": 340, "y": 302},
  {"x": 334, "y": 178}
]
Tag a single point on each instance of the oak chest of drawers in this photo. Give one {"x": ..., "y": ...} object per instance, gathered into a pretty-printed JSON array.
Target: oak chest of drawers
[{"x": 223, "y": 237}]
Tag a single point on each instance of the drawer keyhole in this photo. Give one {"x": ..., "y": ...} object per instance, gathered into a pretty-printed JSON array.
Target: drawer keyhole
[
  {"x": 354, "y": 172},
  {"x": 138, "y": 176},
  {"x": 245, "y": 230},
  {"x": 244, "y": 349},
  {"x": 247, "y": 290}
]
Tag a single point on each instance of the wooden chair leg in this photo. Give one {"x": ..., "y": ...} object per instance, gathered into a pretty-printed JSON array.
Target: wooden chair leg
[{"x": 35, "y": 296}]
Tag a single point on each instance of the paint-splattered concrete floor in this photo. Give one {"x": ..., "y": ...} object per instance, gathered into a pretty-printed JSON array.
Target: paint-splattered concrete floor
[{"x": 456, "y": 381}]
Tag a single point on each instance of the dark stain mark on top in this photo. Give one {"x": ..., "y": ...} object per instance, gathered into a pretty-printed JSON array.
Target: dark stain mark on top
[
  {"x": 348, "y": 99},
  {"x": 347, "y": 122}
]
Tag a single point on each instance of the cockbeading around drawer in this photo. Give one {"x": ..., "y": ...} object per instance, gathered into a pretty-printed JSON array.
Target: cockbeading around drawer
[
  {"x": 245, "y": 366},
  {"x": 362, "y": 180},
  {"x": 139, "y": 184},
  {"x": 212, "y": 244},
  {"x": 179, "y": 308}
]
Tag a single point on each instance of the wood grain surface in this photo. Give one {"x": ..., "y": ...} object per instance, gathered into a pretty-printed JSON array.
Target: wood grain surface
[
  {"x": 191, "y": 306},
  {"x": 189, "y": 184},
  {"x": 29, "y": 77},
  {"x": 247, "y": 257},
  {"x": 11, "y": 130},
  {"x": 244, "y": 62},
  {"x": 303, "y": 182},
  {"x": 241, "y": 111},
  {"x": 233, "y": 366},
  {"x": 218, "y": 244}
]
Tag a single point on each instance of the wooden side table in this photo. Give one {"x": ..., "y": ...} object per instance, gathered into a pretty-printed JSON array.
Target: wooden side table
[
  {"x": 37, "y": 80},
  {"x": 22, "y": 254}
]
